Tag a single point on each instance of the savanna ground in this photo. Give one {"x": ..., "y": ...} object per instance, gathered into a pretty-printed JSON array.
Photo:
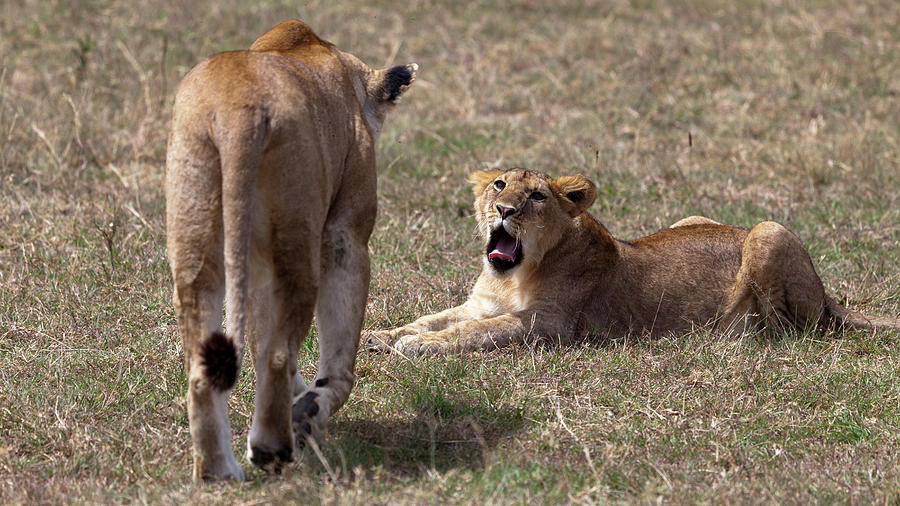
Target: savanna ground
[{"x": 741, "y": 111}]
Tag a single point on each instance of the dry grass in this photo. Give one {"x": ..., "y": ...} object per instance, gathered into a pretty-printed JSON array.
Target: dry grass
[{"x": 740, "y": 111}]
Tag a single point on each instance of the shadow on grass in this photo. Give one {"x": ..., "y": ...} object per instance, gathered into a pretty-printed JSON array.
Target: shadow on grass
[
  {"x": 413, "y": 447},
  {"x": 445, "y": 430}
]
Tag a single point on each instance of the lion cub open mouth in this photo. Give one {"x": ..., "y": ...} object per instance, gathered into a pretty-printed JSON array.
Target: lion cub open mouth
[{"x": 503, "y": 251}]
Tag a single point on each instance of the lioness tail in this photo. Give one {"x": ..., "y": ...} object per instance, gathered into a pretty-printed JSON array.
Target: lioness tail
[
  {"x": 239, "y": 137},
  {"x": 220, "y": 361}
]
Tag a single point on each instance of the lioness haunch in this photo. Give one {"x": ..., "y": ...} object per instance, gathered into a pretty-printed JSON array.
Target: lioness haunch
[
  {"x": 552, "y": 270},
  {"x": 270, "y": 192}
]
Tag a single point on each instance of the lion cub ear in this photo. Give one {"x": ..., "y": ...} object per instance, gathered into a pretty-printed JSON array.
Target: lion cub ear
[
  {"x": 389, "y": 84},
  {"x": 480, "y": 179},
  {"x": 575, "y": 193}
]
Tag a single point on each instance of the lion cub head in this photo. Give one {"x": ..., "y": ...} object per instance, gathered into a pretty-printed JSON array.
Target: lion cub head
[{"x": 523, "y": 214}]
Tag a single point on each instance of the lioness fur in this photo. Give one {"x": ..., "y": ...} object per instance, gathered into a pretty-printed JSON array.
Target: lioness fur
[
  {"x": 270, "y": 190},
  {"x": 553, "y": 271}
]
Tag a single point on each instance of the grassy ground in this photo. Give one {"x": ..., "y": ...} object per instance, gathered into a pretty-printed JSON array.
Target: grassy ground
[{"x": 741, "y": 111}]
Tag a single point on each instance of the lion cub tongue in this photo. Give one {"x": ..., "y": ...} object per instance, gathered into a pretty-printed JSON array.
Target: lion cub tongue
[{"x": 505, "y": 249}]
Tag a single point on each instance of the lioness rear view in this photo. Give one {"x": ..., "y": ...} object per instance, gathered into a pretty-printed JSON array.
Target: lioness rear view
[
  {"x": 551, "y": 270},
  {"x": 270, "y": 190}
]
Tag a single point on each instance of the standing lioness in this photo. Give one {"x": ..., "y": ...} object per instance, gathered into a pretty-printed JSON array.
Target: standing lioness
[
  {"x": 552, "y": 270},
  {"x": 270, "y": 191}
]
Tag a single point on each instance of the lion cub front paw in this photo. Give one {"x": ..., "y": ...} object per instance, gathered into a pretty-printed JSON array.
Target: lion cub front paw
[
  {"x": 383, "y": 341},
  {"x": 378, "y": 341},
  {"x": 418, "y": 345}
]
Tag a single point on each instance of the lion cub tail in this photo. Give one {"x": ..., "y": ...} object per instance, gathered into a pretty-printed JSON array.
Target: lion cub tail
[{"x": 840, "y": 316}]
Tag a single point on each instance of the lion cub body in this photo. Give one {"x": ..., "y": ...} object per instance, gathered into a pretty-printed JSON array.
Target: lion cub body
[
  {"x": 551, "y": 270},
  {"x": 270, "y": 190}
]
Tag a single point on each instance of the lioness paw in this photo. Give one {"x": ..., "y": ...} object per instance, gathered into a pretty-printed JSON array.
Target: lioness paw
[{"x": 270, "y": 461}]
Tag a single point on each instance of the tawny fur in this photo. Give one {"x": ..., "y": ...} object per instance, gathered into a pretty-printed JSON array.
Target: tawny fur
[
  {"x": 575, "y": 278},
  {"x": 270, "y": 189}
]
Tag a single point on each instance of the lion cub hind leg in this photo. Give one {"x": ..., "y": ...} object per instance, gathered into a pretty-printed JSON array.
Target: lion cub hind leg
[{"x": 776, "y": 285}]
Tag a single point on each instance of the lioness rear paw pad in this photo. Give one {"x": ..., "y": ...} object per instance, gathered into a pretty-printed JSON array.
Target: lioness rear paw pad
[
  {"x": 303, "y": 417},
  {"x": 269, "y": 461}
]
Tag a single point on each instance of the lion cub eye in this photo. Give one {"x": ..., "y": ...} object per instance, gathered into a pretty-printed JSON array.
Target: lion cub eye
[
  {"x": 537, "y": 196},
  {"x": 498, "y": 184}
]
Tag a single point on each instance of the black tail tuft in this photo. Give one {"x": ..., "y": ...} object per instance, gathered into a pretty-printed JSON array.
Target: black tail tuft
[{"x": 220, "y": 360}]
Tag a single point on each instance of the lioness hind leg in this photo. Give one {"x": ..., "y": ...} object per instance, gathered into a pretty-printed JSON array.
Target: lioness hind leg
[
  {"x": 194, "y": 244},
  {"x": 339, "y": 314},
  {"x": 259, "y": 324},
  {"x": 212, "y": 365},
  {"x": 280, "y": 317},
  {"x": 776, "y": 281}
]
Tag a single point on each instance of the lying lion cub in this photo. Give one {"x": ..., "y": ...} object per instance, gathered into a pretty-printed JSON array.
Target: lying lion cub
[
  {"x": 552, "y": 270},
  {"x": 270, "y": 201}
]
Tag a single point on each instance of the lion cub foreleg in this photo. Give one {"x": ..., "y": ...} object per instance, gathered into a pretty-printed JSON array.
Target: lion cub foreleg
[
  {"x": 475, "y": 335},
  {"x": 384, "y": 340}
]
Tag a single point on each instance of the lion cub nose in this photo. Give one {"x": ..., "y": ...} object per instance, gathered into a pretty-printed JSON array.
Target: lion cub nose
[{"x": 505, "y": 211}]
